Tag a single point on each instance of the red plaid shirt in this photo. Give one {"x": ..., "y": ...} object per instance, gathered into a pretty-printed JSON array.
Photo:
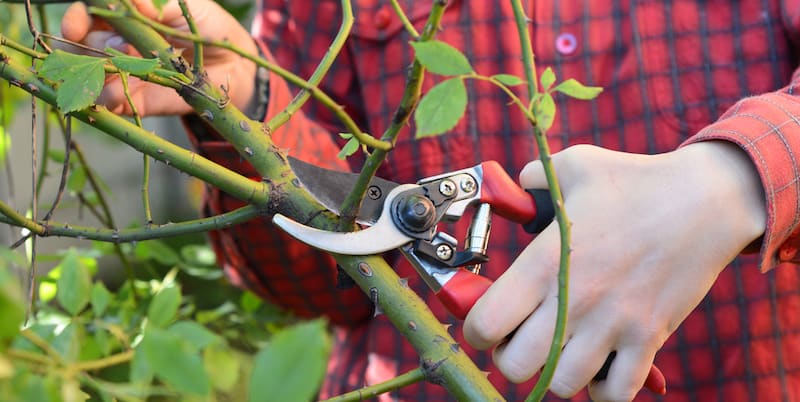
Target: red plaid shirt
[{"x": 673, "y": 71}]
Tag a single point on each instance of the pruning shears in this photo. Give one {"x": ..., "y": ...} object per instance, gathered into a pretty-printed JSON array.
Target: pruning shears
[{"x": 406, "y": 217}]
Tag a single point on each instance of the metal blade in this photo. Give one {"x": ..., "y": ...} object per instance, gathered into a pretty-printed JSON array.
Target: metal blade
[
  {"x": 331, "y": 187},
  {"x": 378, "y": 238}
]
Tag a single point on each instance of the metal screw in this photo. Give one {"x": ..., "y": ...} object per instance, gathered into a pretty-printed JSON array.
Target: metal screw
[
  {"x": 447, "y": 188},
  {"x": 444, "y": 252},
  {"x": 468, "y": 184},
  {"x": 374, "y": 192}
]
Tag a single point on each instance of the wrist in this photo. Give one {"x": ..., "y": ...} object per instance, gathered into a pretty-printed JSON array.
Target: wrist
[{"x": 734, "y": 192}]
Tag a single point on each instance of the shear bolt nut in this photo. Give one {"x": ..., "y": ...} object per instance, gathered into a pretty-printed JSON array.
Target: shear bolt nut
[
  {"x": 416, "y": 213},
  {"x": 447, "y": 188},
  {"x": 444, "y": 252},
  {"x": 468, "y": 184}
]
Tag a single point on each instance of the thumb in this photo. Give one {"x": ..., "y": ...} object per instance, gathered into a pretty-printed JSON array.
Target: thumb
[{"x": 532, "y": 176}]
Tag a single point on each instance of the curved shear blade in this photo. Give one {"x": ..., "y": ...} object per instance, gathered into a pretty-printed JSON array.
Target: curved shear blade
[
  {"x": 372, "y": 240},
  {"x": 378, "y": 238},
  {"x": 330, "y": 187}
]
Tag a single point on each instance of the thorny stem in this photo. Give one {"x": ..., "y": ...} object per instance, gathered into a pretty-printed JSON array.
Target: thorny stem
[
  {"x": 33, "y": 30},
  {"x": 372, "y": 391},
  {"x": 62, "y": 183},
  {"x": 141, "y": 140},
  {"x": 408, "y": 102},
  {"x": 319, "y": 73},
  {"x": 148, "y": 215},
  {"x": 52, "y": 228},
  {"x": 404, "y": 19},
  {"x": 198, "y": 47},
  {"x": 292, "y": 78},
  {"x": 546, "y": 376}
]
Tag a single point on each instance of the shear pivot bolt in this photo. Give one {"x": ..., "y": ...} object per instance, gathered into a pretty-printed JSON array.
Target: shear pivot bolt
[
  {"x": 468, "y": 184},
  {"x": 447, "y": 188},
  {"x": 444, "y": 252},
  {"x": 374, "y": 192}
]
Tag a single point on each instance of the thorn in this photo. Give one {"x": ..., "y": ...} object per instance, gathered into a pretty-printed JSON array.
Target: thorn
[
  {"x": 244, "y": 126},
  {"x": 403, "y": 282},
  {"x": 248, "y": 151},
  {"x": 207, "y": 115},
  {"x": 412, "y": 325}
]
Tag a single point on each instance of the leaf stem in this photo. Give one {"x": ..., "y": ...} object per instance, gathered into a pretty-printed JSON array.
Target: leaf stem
[{"x": 372, "y": 391}]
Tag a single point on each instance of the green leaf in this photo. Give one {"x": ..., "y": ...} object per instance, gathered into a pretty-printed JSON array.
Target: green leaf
[
  {"x": 77, "y": 180},
  {"x": 222, "y": 367},
  {"x": 440, "y": 58},
  {"x": 548, "y": 78},
  {"x": 175, "y": 362},
  {"x": 198, "y": 254},
  {"x": 250, "y": 302},
  {"x": 100, "y": 298},
  {"x": 80, "y": 79},
  {"x": 195, "y": 334},
  {"x": 164, "y": 306},
  {"x": 74, "y": 284},
  {"x": 441, "y": 108},
  {"x": 575, "y": 89},
  {"x": 546, "y": 111},
  {"x": 156, "y": 250},
  {"x": 291, "y": 367},
  {"x": 160, "y": 5},
  {"x": 508, "y": 79},
  {"x": 135, "y": 65},
  {"x": 12, "y": 309},
  {"x": 349, "y": 148}
]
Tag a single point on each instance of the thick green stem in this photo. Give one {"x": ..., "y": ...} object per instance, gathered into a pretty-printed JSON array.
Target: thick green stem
[
  {"x": 143, "y": 141},
  {"x": 443, "y": 360},
  {"x": 304, "y": 85}
]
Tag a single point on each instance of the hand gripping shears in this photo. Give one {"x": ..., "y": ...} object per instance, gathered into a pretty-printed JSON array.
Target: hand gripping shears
[{"x": 406, "y": 217}]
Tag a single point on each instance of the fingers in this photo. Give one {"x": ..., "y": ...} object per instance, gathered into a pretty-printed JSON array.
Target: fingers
[
  {"x": 76, "y": 22},
  {"x": 526, "y": 352},
  {"x": 532, "y": 176},
  {"x": 625, "y": 377},
  {"x": 515, "y": 294},
  {"x": 582, "y": 358}
]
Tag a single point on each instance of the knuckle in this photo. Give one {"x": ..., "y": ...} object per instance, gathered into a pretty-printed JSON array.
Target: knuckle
[
  {"x": 564, "y": 387},
  {"x": 515, "y": 370},
  {"x": 480, "y": 332}
]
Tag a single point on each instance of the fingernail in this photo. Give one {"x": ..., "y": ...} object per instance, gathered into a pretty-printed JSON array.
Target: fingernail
[{"x": 115, "y": 42}]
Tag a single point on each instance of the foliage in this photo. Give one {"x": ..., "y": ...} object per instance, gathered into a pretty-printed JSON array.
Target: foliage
[{"x": 174, "y": 329}]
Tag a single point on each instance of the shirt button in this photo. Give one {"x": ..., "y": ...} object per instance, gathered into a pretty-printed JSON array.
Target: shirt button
[
  {"x": 383, "y": 18},
  {"x": 787, "y": 253},
  {"x": 566, "y": 43}
]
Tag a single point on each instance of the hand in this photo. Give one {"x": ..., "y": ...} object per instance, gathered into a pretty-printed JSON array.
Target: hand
[
  {"x": 213, "y": 22},
  {"x": 650, "y": 234}
]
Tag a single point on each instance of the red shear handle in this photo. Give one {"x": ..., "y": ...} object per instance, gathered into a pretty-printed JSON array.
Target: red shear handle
[
  {"x": 461, "y": 292},
  {"x": 532, "y": 208}
]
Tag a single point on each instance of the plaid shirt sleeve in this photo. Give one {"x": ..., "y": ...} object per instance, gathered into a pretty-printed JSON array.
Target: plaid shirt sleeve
[{"x": 767, "y": 127}]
